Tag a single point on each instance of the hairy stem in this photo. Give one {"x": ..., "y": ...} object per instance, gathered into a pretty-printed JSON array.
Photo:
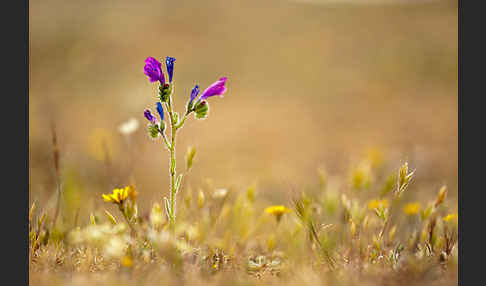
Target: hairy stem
[
  {"x": 179, "y": 125},
  {"x": 172, "y": 170}
]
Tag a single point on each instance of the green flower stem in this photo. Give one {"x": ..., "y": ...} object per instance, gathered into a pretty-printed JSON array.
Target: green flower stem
[
  {"x": 172, "y": 150},
  {"x": 123, "y": 211},
  {"x": 165, "y": 139},
  {"x": 181, "y": 122},
  {"x": 175, "y": 124}
]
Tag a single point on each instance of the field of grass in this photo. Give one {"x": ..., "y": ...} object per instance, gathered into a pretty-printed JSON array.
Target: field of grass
[
  {"x": 367, "y": 233},
  {"x": 296, "y": 177}
]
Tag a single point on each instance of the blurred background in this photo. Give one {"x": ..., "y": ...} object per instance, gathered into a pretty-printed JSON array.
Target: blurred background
[{"x": 311, "y": 84}]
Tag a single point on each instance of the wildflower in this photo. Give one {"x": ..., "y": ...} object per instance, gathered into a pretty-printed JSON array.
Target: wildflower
[
  {"x": 153, "y": 69},
  {"x": 118, "y": 196},
  {"x": 149, "y": 116},
  {"x": 160, "y": 110},
  {"x": 194, "y": 93},
  {"x": 216, "y": 88},
  {"x": 126, "y": 261},
  {"x": 277, "y": 211},
  {"x": 411, "y": 208},
  {"x": 377, "y": 204},
  {"x": 220, "y": 193},
  {"x": 169, "y": 62},
  {"x": 450, "y": 218},
  {"x": 129, "y": 126}
]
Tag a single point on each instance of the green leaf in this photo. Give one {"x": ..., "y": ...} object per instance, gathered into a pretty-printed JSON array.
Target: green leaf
[
  {"x": 178, "y": 182},
  {"x": 167, "y": 207}
]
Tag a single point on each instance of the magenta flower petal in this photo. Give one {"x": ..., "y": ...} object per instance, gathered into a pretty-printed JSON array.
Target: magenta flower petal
[
  {"x": 216, "y": 88},
  {"x": 153, "y": 69}
]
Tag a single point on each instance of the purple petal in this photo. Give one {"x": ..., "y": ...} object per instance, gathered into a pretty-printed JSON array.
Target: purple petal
[
  {"x": 216, "y": 88},
  {"x": 149, "y": 116},
  {"x": 194, "y": 92},
  {"x": 153, "y": 69}
]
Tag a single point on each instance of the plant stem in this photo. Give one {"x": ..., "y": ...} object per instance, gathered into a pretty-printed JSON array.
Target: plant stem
[
  {"x": 58, "y": 203},
  {"x": 122, "y": 209},
  {"x": 165, "y": 139},
  {"x": 172, "y": 161},
  {"x": 181, "y": 122}
]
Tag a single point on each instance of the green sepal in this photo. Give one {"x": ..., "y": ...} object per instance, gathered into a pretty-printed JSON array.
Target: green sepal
[
  {"x": 164, "y": 92},
  {"x": 202, "y": 109},
  {"x": 153, "y": 131}
]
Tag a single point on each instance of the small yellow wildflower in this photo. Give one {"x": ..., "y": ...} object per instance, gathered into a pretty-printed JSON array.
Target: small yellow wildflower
[
  {"x": 377, "y": 204},
  {"x": 118, "y": 196},
  {"x": 411, "y": 208},
  {"x": 450, "y": 218},
  {"x": 126, "y": 261},
  {"x": 277, "y": 211}
]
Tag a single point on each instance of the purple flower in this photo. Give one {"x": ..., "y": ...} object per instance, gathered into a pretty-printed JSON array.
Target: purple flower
[
  {"x": 169, "y": 61},
  {"x": 149, "y": 116},
  {"x": 194, "y": 93},
  {"x": 160, "y": 110},
  {"x": 153, "y": 69},
  {"x": 216, "y": 88}
]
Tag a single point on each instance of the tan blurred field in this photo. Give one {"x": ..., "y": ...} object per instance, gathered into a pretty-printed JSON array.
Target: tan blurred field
[{"x": 310, "y": 84}]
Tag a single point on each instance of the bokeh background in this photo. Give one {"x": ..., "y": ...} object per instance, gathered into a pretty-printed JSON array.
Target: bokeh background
[{"x": 311, "y": 84}]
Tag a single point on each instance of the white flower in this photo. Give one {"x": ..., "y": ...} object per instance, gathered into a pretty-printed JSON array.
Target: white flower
[
  {"x": 220, "y": 193},
  {"x": 128, "y": 127}
]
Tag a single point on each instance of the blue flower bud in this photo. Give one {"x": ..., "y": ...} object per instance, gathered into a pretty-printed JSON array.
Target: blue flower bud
[
  {"x": 169, "y": 61},
  {"x": 160, "y": 110}
]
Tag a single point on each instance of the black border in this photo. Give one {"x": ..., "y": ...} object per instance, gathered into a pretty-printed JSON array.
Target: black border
[
  {"x": 472, "y": 145},
  {"x": 14, "y": 204}
]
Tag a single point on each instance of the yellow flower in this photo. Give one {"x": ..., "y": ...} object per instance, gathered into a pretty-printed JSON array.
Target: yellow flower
[
  {"x": 377, "y": 204},
  {"x": 411, "y": 208},
  {"x": 277, "y": 211},
  {"x": 118, "y": 196},
  {"x": 450, "y": 218},
  {"x": 127, "y": 261}
]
